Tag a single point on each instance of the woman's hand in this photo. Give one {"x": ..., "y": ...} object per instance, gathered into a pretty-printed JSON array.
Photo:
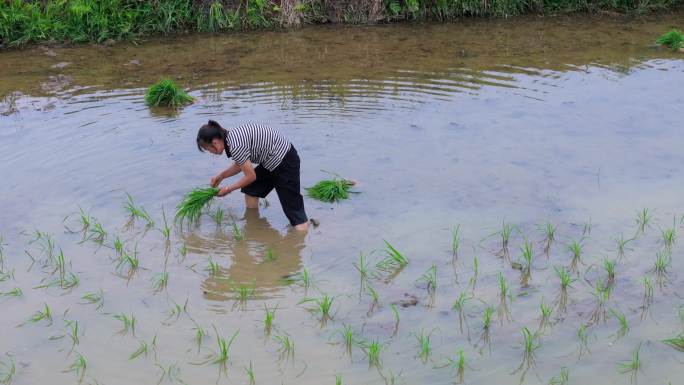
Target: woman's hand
[
  {"x": 224, "y": 191},
  {"x": 216, "y": 180}
]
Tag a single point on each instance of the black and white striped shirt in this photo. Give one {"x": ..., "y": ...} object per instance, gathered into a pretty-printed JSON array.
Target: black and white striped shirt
[{"x": 259, "y": 143}]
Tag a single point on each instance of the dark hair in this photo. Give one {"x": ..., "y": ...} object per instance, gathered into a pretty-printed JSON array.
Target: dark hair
[{"x": 209, "y": 132}]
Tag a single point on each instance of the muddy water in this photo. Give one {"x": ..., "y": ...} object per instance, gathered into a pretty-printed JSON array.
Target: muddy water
[{"x": 576, "y": 122}]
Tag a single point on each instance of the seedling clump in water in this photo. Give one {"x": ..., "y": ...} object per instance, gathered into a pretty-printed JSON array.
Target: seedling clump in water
[
  {"x": 330, "y": 190},
  {"x": 190, "y": 208},
  {"x": 166, "y": 93},
  {"x": 673, "y": 39}
]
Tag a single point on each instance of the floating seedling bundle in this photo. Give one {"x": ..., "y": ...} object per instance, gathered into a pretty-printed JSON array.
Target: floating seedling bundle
[
  {"x": 673, "y": 39},
  {"x": 331, "y": 190},
  {"x": 190, "y": 208},
  {"x": 166, "y": 93}
]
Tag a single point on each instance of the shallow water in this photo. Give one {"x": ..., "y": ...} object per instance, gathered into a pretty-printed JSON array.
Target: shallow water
[{"x": 574, "y": 121}]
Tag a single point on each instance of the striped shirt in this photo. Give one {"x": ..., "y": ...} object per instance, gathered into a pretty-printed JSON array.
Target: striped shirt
[{"x": 260, "y": 144}]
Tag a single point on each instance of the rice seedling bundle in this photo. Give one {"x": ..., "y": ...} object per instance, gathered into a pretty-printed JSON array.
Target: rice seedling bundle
[
  {"x": 673, "y": 39},
  {"x": 330, "y": 190},
  {"x": 190, "y": 208},
  {"x": 166, "y": 93}
]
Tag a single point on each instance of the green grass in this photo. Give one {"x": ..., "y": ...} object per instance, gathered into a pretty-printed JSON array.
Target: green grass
[
  {"x": 41, "y": 315},
  {"x": 330, "y": 190},
  {"x": 270, "y": 255},
  {"x": 373, "y": 349},
  {"x": 549, "y": 236},
  {"x": 424, "y": 345},
  {"x": 200, "y": 333},
  {"x": 166, "y": 93},
  {"x": 218, "y": 216},
  {"x": 669, "y": 237},
  {"x": 237, "y": 232},
  {"x": 213, "y": 267},
  {"x": 128, "y": 264},
  {"x": 363, "y": 267},
  {"x": 487, "y": 316},
  {"x": 323, "y": 306},
  {"x": 459, "y": 307},
  {"x": 455, "y": 240},
  {"x": 546, "y": 312},
  {"x": 505, "y": 234},
  {"x": 190, "y": 207},
  {"x": 530, "y": 345},
  {"x": 676, "y": 342},
  {"x": 96, "y": 233},
  {"x": 583, "y": 338},
  {"x": 375, "y": 298},
  {"x": 527, "y": 252},
  {"x": 622, "y": 321},
  {"x": 609, "y": 267},
  {"x": 622, "y": 245},
  {"x": 223, "y": 348},
  {"x": 242, "y": 293},
  {"x": 166, "y": 229},
  {"x": 562, "y": 379},
  {"x": 16, "y": 292},
  {"x": 73, "y": 332},
  {"x": 643, "y": 219},
  {"x": 429, "y": 279},
  {"x": 575, "y": 248},
  {"x": 142, "y": 350},
  {"x": 672, "y": 39},
  {"x": 118, "y": 246},
  {"x": 348, "y": 337},
  {"x": 395, "y": 313},
  {"x": 160, "y": 281},
  {"x": 662, "y": 264},
  {"x": 250, "y": 374},
  {"x": 303, "y": 279},
  {"x": 338, "y": 379}
]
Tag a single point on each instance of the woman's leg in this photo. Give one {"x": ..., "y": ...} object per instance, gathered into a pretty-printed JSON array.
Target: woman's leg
[{"x": 251, "y": 202}]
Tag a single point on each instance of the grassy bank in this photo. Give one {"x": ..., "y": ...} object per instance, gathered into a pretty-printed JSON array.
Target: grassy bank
[{"x": 23, "y": 22}]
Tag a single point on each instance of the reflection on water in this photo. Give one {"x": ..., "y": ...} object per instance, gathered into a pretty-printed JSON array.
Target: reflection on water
[{"x": 262, "y": 258}]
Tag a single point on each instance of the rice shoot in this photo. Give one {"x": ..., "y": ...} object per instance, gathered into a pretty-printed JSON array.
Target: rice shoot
[
  {"x": 673, "y": 39},
  {"x": 330, "y": 190},
  {"x": 190, "y": 208}
]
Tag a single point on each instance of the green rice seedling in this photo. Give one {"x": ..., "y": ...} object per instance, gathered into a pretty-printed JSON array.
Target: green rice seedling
[
  {"x": 287, "y": 347},
  {"x": 530, "y": 345},
  {"x": 429, "y": 279},
  {"x": 165, "y": 93},
  {"x": 373, "y": 350},
  {"x": 609, "y": 267},
  {"x": 8, "y": 370},
  {"x": 672, "y": 39},
  {"x": 583, "y": 338},
  {"x": 505, "y": 233},
  {"x": 40, "y": 315},
  {"x": 424, "y": 345},
  {"x": 526, "y": 271},
  {"x": 455, "y": 240},
  {"x": 330, "y": 190},
  {"x": 269, "y": 256},
  {"x": 662, "y": 263},
  {"x": 393, "y": 261},
  {"x": 631, "y": 366},
  {"x": 223, "y": 354},
  {"x": 459, "y": 307},
  {"x": 2, "y": 254},
  {"x": 177, "y": 310},
  {"x": 622, "y": 245},
  {"x": 566, "y": 281},
  {"x": 137, "y": 211},
  {"x": 338, "y": 379},
  {"x": 546, "y": 312},
  {"x": 487, "y": 315},
  {"x": 46, "y": 244},
  {"x": 218, "y": 217},
  {"x": 73, "y": 332},
  {"x": 16, "y": 292},
  {"x": 643, "y": 219},
  {"x": 94, "y": 298},
  {"x": 182, "y": 253},
  {"x": 238, "y": 234},
  {"x": 85, "y": 219},
  {"x": 250, "y": 374},
  {"x": 576, "y": 249},
  {"x": 160, "y": 281},
  {"x": 624, "y": 325},
  {"x": 243, "y": 292},
  {"x": 323, "y": 306},
  {"x": 562, "y": 379},
  {"x": 602, "y": 295},
  {"x": 142, "y": 350},
  {"x": 213, "y": 267},
  {"x": 200, "y": 333},
  {"x": 118, "y": 246},
  {"x": 676, "y": 342},
  {"x": 395, "y": 312},
  {"x": 127, "y": 323},
  {"x": 190, "y": 208},
  {"x": 549, "y": 236},
  {"x": 459, "y": 363},
  {"x": 78, "y": 366},
  {"x": 128, "y": 264},
  {"x": 166, "y": 229},
  {"x": 586, "y": 229},
  {"x": 348, "y": 337},
  {"x": 648, "y": 297},
  {"x": 303, "y": 279},
  {"x": 363, "y": 267},
  {"x": 6, "y": 275},
  {"x": 97, "y": 233},
  {"x": 669, "y": 237},
  {"x": 269, "y": 316},
  {"x": 171, "y": 372},
  {"x": 375, "y": 299},
  {"x": 504, "y": 292}
]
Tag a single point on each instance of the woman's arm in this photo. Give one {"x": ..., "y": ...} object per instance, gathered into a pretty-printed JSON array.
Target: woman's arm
[
  {"x": 249, "y": 176},
  {"x": 234, "y": 169}
]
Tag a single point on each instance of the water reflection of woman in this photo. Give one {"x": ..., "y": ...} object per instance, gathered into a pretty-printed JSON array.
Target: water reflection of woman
[{"x": 261, "y": 258}]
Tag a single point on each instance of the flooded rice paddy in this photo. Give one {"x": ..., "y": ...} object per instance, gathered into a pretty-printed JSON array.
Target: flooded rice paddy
[{"x": 466, "y": 140}]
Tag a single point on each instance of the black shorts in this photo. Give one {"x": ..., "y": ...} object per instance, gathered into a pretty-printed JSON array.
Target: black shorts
[{"x": 285, "y": 180}]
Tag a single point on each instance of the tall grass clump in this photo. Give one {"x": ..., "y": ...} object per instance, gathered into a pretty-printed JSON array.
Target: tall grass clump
[
  {"x": 330, "y": 190},
  {"x": 672, "y": 39},
  {"x": 165, "y": 93},
  {"x": 190, "y": 208}
]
